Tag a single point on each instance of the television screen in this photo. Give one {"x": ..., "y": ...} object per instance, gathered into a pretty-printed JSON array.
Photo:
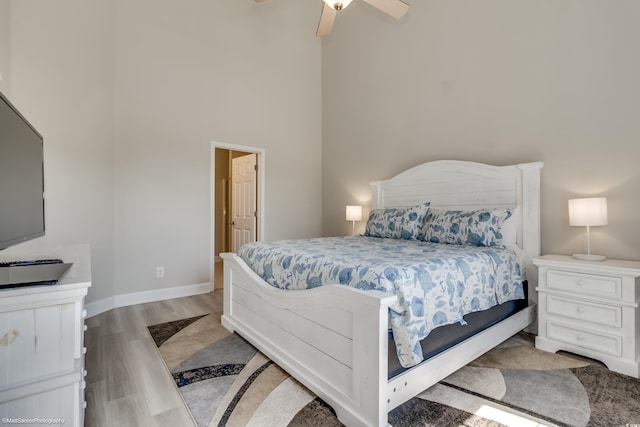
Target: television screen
[{"x": 21, "y": 178}]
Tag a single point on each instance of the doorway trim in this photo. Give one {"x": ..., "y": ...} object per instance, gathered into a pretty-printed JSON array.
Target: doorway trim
[{"x": 260, "y": 192}]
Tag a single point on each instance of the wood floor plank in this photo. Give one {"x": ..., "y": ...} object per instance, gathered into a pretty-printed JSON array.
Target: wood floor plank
[
  {"x": 153, "y": 386},
  {"x": 128, "y": 411},
  {"x": 176, "y": 417},
  {"x": 118, "y": 368},
  {"x": 96, "y": 397}
]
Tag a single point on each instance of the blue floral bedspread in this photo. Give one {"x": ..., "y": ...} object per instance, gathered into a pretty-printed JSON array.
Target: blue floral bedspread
[{"x": 436, "y": 284}]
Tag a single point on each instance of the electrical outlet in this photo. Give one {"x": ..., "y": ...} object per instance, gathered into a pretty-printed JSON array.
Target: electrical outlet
[{"x": 159, "y": 272}]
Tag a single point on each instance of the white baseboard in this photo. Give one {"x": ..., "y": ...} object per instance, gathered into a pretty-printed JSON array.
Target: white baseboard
[
  {"x": 100, "y": 306},
  {"x": 124, "y": 300}
]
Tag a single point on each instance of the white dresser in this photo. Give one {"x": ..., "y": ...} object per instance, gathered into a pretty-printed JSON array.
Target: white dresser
[
  {"x": 42, "y": 374},
  {"x": 590, "y": 308}
]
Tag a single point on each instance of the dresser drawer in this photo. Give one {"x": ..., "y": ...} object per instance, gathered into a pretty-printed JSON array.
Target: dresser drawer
[
  {"x": 592, "y": 340},
  {"x": 60, "y": 404},
  {"x": 38, "y": 342},
  {"x": 591, "y": 312},
  {"x": 585, "y": 284}
]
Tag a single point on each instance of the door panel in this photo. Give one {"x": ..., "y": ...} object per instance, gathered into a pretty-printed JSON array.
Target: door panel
[{"x": 243, "y": 196}]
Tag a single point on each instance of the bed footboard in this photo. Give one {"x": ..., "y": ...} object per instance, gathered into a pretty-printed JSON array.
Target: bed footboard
[{"x": 311, "y": 334}]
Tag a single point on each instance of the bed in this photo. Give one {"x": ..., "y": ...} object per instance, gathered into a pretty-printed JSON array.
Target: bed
[{"x": 334, "y": 339}]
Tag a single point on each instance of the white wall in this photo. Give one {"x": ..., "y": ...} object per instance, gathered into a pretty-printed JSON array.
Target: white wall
[
  {"x": 130, "y": 94},
  {"x": 192, "y": 72},
  {"x": 5, "y": 34},
  {"x": 496, "y": 81},
  {"x": 61, "y": 67}
]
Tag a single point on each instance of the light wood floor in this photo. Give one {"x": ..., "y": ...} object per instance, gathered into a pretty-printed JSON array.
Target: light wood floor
[{"x": 127, "y": 382}]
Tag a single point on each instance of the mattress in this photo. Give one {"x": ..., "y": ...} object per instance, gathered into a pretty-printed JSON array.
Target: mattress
[{"x": 436, "y": 284}]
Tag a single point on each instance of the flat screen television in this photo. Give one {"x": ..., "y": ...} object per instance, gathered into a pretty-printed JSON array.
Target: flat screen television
[{"x": 21, "y": 178}]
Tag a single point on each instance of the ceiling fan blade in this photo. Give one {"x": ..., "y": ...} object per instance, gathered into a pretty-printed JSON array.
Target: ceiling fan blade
[
  {"x": 395, "y": 8},
  {"x": 326, "y": 20}
]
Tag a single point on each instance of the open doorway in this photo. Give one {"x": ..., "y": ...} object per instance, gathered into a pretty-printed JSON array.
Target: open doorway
[{"x": 237, "y": 201}]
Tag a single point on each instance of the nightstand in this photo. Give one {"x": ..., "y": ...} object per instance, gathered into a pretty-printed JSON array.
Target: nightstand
[{"x": 590, "y": 308}]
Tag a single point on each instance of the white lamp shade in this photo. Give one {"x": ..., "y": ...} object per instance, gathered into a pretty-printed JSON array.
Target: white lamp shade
[
  {"x": 354, "y": 213},
  {"x": 588, "y": 212},
  {"x": 332, "y": 3}
]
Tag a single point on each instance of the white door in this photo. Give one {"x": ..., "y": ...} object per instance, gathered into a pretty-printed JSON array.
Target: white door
[{"x": 243, "y": 200}]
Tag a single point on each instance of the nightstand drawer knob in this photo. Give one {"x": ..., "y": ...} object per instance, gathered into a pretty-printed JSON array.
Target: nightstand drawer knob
[
  {"x": 580, "y": 338},
  {"x": 580, "y": 310},
  {"x": 580, "y": 282}
]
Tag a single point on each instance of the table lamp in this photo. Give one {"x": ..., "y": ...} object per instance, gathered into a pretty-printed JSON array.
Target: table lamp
[
  {"x": 588, "y": 212},
  {"x": 354, "y": 213}
]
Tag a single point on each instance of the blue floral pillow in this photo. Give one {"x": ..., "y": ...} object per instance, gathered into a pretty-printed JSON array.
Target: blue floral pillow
[
  {"x": 396, "y": 223},
  {"x": 478, "y": 228}
]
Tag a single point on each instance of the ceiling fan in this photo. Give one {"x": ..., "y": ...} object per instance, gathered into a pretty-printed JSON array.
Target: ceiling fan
[{"x": 330, "y": 9}]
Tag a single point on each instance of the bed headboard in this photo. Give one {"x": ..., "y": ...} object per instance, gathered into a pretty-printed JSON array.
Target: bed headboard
[{"x": 452, "y": 184}]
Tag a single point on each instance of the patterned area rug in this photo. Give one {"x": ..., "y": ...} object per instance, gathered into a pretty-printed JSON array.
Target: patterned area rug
[{"x": 227, "y": 382}]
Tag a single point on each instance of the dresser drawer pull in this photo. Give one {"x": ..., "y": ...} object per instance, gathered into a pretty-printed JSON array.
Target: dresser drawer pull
[
  {"x": 580, "y": 310},
  {"x": 579, "y": 337},
  {"x": 580, "y": 282},
  {"x": 9, "y": 337}
]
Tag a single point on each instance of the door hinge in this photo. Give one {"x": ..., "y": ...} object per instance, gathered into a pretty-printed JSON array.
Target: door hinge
[{"x": 255, "y": 167}]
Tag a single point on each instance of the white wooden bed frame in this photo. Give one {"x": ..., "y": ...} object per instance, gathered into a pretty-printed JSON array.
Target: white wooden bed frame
[{"x": 334, "y": 339}]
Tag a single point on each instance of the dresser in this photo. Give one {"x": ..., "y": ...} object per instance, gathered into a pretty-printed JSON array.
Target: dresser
[
  {"x": 42, "y": 373},
  {"x": 590, "y": 308}
]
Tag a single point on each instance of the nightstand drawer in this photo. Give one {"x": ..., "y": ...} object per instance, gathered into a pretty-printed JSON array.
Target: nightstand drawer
[
  {"x": 585, "y": 284},
  {"x": 592, "y": 340},
  {"x": 591, "y": 312}
]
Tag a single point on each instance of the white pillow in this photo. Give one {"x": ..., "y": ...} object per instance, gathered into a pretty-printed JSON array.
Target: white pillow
[{"x": 509, "y": 229}]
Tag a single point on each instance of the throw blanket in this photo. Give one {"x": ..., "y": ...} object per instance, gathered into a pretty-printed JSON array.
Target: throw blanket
[{"x": 436, "y": 284}]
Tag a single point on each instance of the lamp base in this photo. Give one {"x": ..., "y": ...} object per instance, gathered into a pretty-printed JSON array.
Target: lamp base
[{"x": 589, "y": 257}]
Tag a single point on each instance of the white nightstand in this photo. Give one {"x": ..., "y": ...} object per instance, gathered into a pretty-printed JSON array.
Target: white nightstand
[{"x": 590, "y": 308}]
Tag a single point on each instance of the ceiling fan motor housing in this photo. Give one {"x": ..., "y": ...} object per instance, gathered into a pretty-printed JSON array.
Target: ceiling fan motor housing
[
  {"x": 337, "y": 4},
  {"x": 395, "y": 8}
]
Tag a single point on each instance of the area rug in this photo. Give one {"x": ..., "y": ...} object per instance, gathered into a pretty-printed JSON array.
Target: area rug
[{"x": 226, "y": 382}]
